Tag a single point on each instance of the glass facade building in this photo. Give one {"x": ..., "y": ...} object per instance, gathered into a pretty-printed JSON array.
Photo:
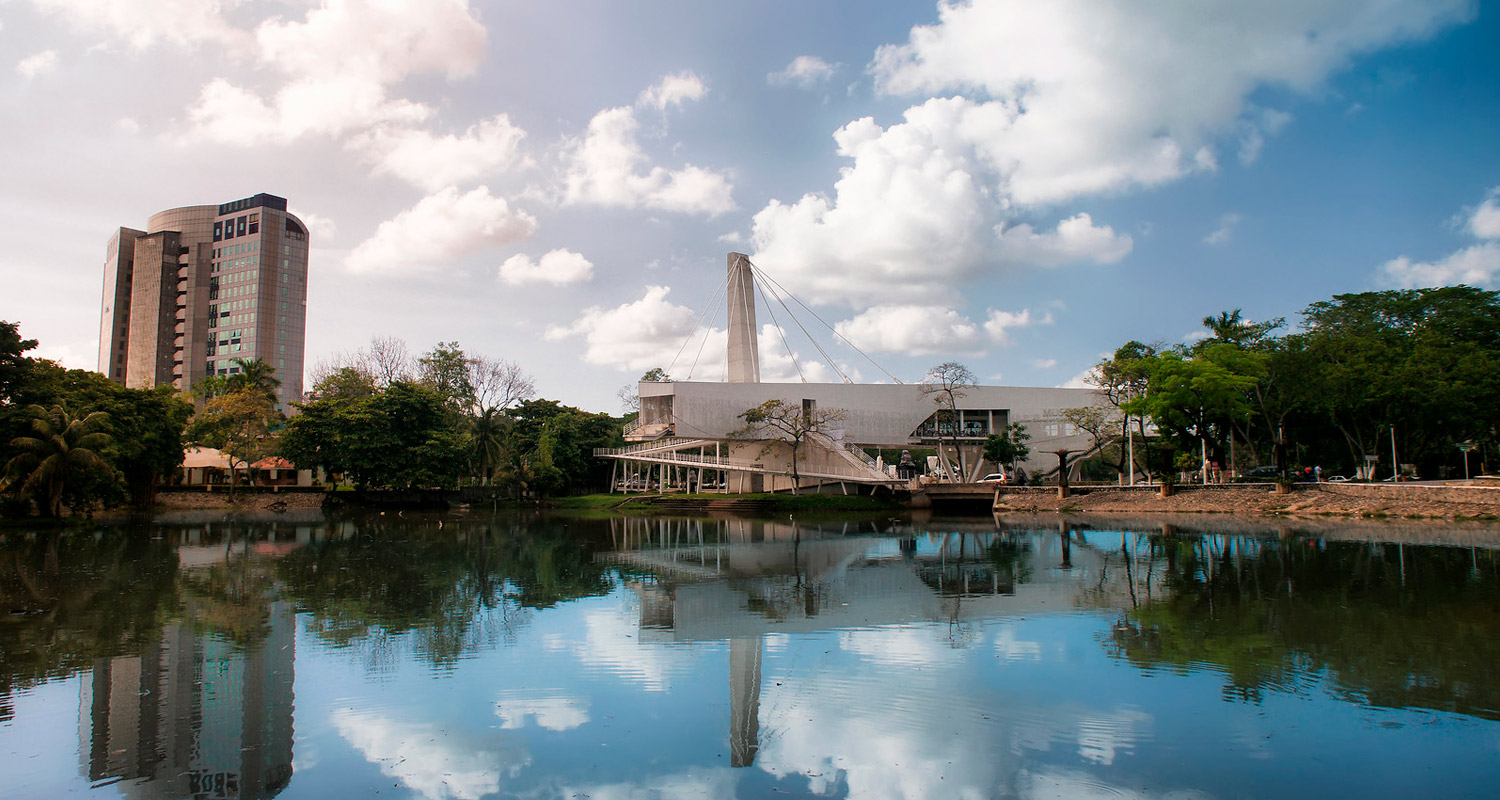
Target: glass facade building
[{"x": 203, "y": 287}]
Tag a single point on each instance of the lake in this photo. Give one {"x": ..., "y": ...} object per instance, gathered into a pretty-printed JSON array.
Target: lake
[{"x": 555, "y": 655}]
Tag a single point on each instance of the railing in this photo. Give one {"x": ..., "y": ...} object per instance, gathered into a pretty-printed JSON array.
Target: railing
[
  {"x": 657, "y": 452},
  {"x": 658, "y": 444}
]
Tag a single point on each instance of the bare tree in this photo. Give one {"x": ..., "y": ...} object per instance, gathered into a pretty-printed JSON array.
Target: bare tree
[
  {"x": 1099, "y": 423},
  {"x": 779, "y": 420},
  {"x": 946, "y": 384},
  {"x": 388, "y": 360},
  {"x": 499, "y": 384}
]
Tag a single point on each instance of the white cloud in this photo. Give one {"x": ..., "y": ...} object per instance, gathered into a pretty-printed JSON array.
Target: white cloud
[
  {"x": 37, "y": 64},
  {"x": 1107, "y": 97},
  {"x": 779, "y": 366},
  {"x": 430, "y": 161},
  {"x": 609, "y": 168},
  {"x": 128, "y": 126},
  {"x": 1475, "y": 265},
  {"x": 554, "y": 712},
  {"x": 1223, "y": 233},
  {"x": 639, "y": 335},
  {"x": 328, "y": 105},
  {"x": 1069, "y": 99},
  {"x": 1255, "y": 129},
  {"x": 1485, "y": 221},
  {"x": 439, "y": 228},
  {"x": 144, "y": 23},
  {"x": 558, "y": 267},
  {"x": 1076, "y": 239},
  {"x": 322, "y": 228},
  {"x": 923, "y": 330},
  {"x": 340, "y": 61},
  {"x": 999, "y": 323},
  {"x": 905, "y": 221},
  {"x": 381, "y": 40},
  {"x": 804, "y": 71},
  {"x": 430, "y": 760},
  {"x": 672, "y": 91},
  {"x": 1044, "y": 363},
  {"x": 913, "y": 330}
]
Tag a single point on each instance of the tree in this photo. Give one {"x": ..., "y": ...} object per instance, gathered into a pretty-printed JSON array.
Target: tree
[
  {"x": 445, "y": 370},
  {"x": 1009, "y": 445},
  {"x": 62, "y": 448},
  {"x": 14, "y": 365},
  {"x": 403, "y": 436},
  {"x": 239, "y": 424},
  {"x": 1120, "y": 379},
  {"x": 629, "y": 394},
  {"x": 255, "y": 375},
  {"x": 779, "y": 420},
  {"x": 344, "y": 383},
  {"x": 387, "y": 360},
  {"x": 498, "y": 384},
  {"x": 946, "y": 384},
  {"x": 1099, "y": 424},
  {"x": 491, "y": 432}
]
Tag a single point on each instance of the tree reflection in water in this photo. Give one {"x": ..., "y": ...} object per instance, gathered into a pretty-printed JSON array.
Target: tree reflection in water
[{"x": 1391, "y": 625}]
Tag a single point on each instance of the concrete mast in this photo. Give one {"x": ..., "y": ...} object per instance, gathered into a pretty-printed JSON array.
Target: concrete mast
[{"x": 744, "y": 355}]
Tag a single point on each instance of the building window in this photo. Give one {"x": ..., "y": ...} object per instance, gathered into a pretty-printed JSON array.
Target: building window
[{"x": 218, "y": 231}]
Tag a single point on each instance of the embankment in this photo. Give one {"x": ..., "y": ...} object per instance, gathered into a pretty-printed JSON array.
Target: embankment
[{"x": 1412, "y": 501}]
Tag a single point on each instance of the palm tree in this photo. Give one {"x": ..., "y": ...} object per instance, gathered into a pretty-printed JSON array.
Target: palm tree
[
  {"x": 62, "y": 447},
  {"x": 491, "y": 429},
  {"x": 255, "y": 374}
]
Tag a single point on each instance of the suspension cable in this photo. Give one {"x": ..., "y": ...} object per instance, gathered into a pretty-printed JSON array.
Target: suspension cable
[
  {"x": 831, "y": 362},
  {"x": 712, "y": 304},
  {"x": 842, "y": 337},
  {"x": 781, "y": 333}
]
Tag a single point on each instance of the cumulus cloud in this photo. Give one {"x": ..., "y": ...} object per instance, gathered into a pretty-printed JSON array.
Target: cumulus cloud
[
  {"x": 322, "y": 228},
  {"x": 1076, "y": 239},
  {"x": 1475, "y": 265},
  {"x": 1106, "y": 97},
  {"x": 923, "y": 330},
  {"x": 1043, "y": 104},
  {"x": 638, "y": 335},
  {"x": 1044, "y": 363},
  {"x": 1484, "y": 223},
  {"x": 431, "y": 161},
  {"x": 557, "y": 267},
  {"x": 914, "y": 330},
  {"x": 672, "y": 91},
  {"x": 1225, "y": 231},
  {"x": 439, "y": 228},
  {"x": 433, "y": 761},
  {"x": 37, "y": 64},
  {"x": 804, "y": 71},
  {"x": 608, "y": 167},
  {"x": 555, "y": 712},
  {"x": 340, "y": 61},
  {"x": 328, "y": 105},
  {"x": 144, "y": 23},
  {"x": 383, "y": 40}
]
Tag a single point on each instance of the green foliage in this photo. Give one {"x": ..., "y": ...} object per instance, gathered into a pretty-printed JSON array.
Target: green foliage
[
  {"x": 61, "y": 449},
  {"x": 240, "y": 423},
  {"x": 14, "y": 365},
  {"x": 401, "y": 437},
  {"x": 1009, "y": 445}
]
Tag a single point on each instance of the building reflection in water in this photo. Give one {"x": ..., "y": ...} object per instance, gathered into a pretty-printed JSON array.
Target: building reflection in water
[
  {"x": 205, "y": 709},
  {"x": 737, "y": 580}
]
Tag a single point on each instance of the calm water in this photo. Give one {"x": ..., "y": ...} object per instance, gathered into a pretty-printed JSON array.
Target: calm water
[{"x": 566, "y": 657}]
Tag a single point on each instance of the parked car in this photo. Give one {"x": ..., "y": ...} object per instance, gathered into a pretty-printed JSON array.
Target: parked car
[
  {"x": 1264, "y": 472},
  {"x": 1336, "y": 479},
  {"x": 995, "y": 477}
]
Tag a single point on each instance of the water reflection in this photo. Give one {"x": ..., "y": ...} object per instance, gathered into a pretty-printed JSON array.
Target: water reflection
[{"x": 505, "y": 655}]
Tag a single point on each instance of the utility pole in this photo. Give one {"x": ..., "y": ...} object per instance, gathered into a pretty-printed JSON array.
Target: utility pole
[{"x": 1395, "y": 465}]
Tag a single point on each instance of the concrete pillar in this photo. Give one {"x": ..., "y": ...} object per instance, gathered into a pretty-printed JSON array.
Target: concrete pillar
[{"x": 744, "y": 357}]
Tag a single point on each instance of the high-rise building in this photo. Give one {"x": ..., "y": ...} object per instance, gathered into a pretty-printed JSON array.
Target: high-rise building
[{"x": 202, "y": 287}]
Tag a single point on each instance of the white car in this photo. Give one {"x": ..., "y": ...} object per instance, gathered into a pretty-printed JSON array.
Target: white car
[{"x": 995, "y": 477}]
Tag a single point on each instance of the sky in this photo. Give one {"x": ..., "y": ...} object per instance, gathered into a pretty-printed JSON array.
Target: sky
[{"x": 1020, "y": 187}]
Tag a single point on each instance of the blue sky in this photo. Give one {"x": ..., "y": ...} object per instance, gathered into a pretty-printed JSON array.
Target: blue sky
[{"x": 1017, "y": 186}]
